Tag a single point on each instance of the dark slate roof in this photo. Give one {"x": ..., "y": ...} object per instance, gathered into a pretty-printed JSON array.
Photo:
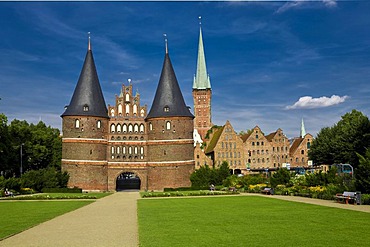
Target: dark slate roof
[
  {"x": 168, "y": 100},
  {"x": 87, "y": 99}
]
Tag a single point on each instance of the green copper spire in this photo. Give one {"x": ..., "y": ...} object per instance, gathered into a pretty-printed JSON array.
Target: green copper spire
[
  {"x": 201, "y": 79},
  {"x": 303, "y": 130}
]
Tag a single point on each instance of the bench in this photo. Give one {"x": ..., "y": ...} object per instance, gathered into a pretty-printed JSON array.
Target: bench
[
  {"x": 267, "y": 191},
  {"x": 347, "y": 197}
]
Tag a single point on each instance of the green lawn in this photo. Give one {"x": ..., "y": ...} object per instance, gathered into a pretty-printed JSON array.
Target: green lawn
[
  {"x": 248, "y": 221},
  {"x": 17, "y": 216},
  {"x": 57, "y": 196}
]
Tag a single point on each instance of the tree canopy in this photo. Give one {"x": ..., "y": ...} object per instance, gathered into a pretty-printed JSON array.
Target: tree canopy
[
  {"x": 340, "y": 143},
  {"x": 41, "y": 146}
]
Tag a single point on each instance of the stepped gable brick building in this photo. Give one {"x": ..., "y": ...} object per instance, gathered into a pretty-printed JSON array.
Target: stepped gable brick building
[
  {"x": 280, "y": 147},
  {"x": 123, "y": 147},
  {"x": 257, "y": 149},
  {"x": 253, "y": 152},
  {"x": 227, "y": 146}
]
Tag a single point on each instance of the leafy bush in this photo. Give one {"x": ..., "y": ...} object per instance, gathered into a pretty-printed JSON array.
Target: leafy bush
[
  {"x": 62, "y": 190},
  {"x": 205, "y": 176},
  {"x": 365, "y": 199},
  {"x": 281, "y": 176},
  {"x": 44, "y": 178},
  {"x": 12, "y": 184},
  {"x": 189, "y": 193},
  {"x": 256, "y": 188},
  {"x": 26, "y": 191}
]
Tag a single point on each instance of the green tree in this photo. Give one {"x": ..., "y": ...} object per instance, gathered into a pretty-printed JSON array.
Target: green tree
[
  {"x": 281, "y": 176},
  {"x": 44, "y": 178},
  {"x": 205, "y": 176},
  {"x": 362, "y": 173},
  {"x": 340, "y": 143},
  {"x": 5, "y": 148},
  {"x": 41, "y": 147}
]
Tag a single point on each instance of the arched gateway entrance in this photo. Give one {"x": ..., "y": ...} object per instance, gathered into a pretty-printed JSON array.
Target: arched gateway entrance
[{"x": 128, "y": 181}]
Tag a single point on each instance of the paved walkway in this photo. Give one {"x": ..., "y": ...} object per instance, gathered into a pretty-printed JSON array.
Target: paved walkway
[
  {"x": 328, "y": 203},
  {"x": 110, "y": 221}
]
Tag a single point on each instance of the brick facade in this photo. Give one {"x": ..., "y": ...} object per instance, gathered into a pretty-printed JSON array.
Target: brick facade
[
  {"x": 160, "y": 151},
  {"x": 202, "y": 110},
  {"x": 257, "y": 151}
]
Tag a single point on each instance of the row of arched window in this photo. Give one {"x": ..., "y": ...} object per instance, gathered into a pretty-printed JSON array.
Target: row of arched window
[
  {"x": 230, "y": 162},
  {"x": 258, "y": 160},
  {"x": 227, "y": 145},
  {"x": 130, "y": 128},
  {"x": 228, "y": 154},
  {"x": 254, "y": 152},
  {"x": 127, "y": 150},
  {"x": 257, "y": 143},
  {"x": 278, "y": 149},
  {"x": 127, "y": 111}
]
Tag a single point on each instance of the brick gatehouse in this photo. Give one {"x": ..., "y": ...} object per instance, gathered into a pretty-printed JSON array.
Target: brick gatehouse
[{"x": 124, "y": 146}]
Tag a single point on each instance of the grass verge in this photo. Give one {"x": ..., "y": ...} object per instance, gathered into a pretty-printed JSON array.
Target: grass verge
[
  {"x": 17, "y": 216},
  {"x": 248, "y": 221},
  {"x": 187, "y": 193},
  {"x": 58, "y": 196}
]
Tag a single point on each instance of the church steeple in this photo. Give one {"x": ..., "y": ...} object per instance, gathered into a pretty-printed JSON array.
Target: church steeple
[
  {"x": 168, "y": 100},
  {"x": 201, "y": 78},
  {"x": 202, "y": 92},
  {"x": 87, "y": 99},
  {"x": 303, "y": 130}
]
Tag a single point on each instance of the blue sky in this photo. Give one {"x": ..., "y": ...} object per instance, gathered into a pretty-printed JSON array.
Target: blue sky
[{"x": 270, "y": 63}]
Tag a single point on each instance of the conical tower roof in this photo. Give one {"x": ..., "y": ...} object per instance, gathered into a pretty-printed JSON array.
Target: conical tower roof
[
  {"x": 201, "y": 78},
  {"x": 168, "y": 100},
  {"x": 87, "y": 99}
]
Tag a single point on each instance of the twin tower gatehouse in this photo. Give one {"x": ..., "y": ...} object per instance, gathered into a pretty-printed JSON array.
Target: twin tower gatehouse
[{"x": 125, "y": 146}]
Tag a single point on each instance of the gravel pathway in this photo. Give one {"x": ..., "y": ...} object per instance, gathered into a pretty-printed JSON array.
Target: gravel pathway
[
  {"x": 110, "y": 221},
  {"x": 362, "y": 208}
]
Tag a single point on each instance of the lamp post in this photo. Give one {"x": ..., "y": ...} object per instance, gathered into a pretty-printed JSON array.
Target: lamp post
[{"x": 21, "y": 169}]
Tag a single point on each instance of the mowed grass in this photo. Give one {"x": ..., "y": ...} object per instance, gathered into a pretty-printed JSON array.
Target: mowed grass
[
  {"x": 248, "y": 221},
  {"x": 16, "y": 216}
]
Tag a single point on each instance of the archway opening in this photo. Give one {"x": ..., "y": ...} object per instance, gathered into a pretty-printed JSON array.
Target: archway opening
[{"x": 128, "y": 181}]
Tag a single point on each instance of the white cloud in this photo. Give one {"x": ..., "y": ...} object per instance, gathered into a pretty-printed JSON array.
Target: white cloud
[
  {"x": 330, "y": 3},
  {"x": 304, "y": 4},
  {"x": 307, "y": 102},
  {"x": 289, "y": 5}
]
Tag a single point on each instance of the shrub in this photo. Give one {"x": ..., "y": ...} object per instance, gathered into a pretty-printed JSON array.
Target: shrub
[
  {"x": 12, "y": 184},
  {"x": 205, "y": 176},
  {"x": 281, "y": 176},
  {"x": 256, "y": 188},
  {"x": 365, "y": 199},
  {"x": 26, "y": 191},
  {"x": 44, "y": 178},
  {"x": 62, "y": 190}
]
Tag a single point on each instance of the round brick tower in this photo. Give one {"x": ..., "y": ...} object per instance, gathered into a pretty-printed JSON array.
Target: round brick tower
[
  {"x": 170, "y": 134},
  {"x": 85, "y": 126}
]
